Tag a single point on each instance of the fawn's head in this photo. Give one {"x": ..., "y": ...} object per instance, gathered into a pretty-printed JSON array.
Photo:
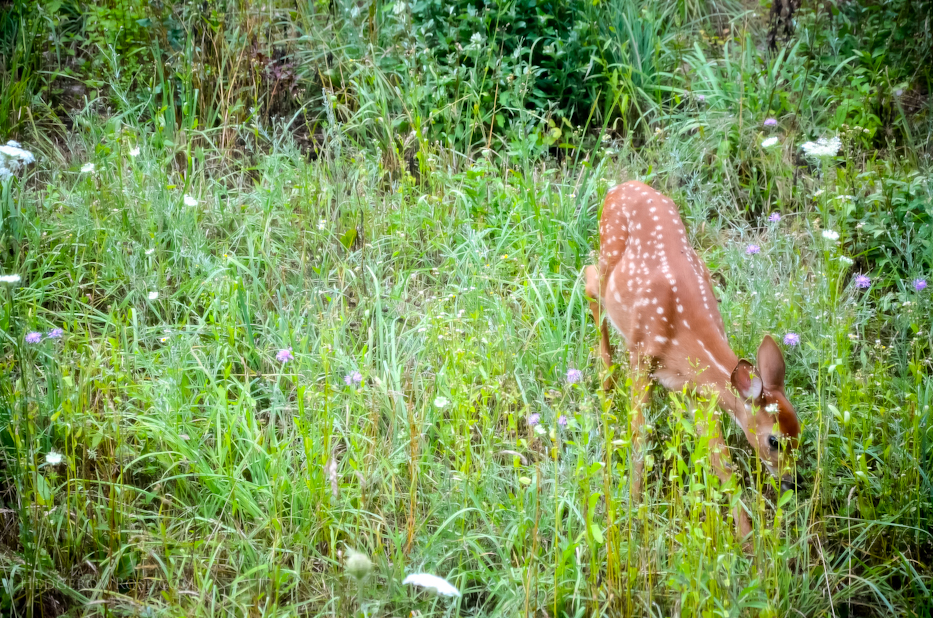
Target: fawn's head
[{"x": 772, "y": 427}]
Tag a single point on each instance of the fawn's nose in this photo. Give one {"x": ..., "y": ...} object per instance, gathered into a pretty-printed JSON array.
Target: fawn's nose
[{"x": 791, "y": 483}]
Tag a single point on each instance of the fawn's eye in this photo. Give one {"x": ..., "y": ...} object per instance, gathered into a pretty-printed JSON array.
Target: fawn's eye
[{"x": 773, "y": 442}]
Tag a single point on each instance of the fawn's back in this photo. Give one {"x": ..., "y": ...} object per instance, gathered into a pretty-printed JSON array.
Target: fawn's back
[{"x": 656, "y": 290}]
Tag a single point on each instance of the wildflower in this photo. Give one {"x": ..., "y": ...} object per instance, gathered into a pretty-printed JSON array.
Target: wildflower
[
  {"x": 768, "y": 143},
  {"x": 358, "y": 564},
  {"x": 12, "y": 157},
  {"x": 53, "y": 459},
  {"x": 822, "y": 147},
  {"x": 440, "y": 402},
  {"x": 9, "y": 279},
  {"x": 321, "y": 224},
  {"x": 701, "y": 98},
  {"x": 477, "y": 39},
  {"x": 33, "y": 337},
  {"x": 919, "y": 284},
  {"x": 774, "y": 218},
  {"x": 899, "y": 92},
  {"x": 791, "y": 339},
  {"x": 285, "y": 355},
  {"x": 190, "y": 201},
  {"x": 752, "y": 250},
  {"x": 770, "y": 122},
  {"x": 846, "y": 260},
  {"x": 55, "y": 333},
  {"x": 135, "y": 151},
  {"x": 830, "y": 235},
  {"x": 534, "y": 419},
  {"x": 436, "y": 584},
  {"x": 150, "y": 251},
  {"x": 353, "y": 378},
  {"x": 818, "y": 193},
  {"x": 87, "y": 168},
  {"x": 862, "y": 281},
  {"x": 153, "y": 295},
  {"x": 771, "y": 407},
  {"x": 562, "y": 420},
  {"x": 574, "y": 376}
]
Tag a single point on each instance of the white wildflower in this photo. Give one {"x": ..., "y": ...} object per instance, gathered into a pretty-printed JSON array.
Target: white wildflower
[
  {"x": 9, "y": 278},
  {"x": 135, "y": 151},
  {"x": 53, "y": 459},
  {"x": 768, "y": 143},
  {"x": 153, "y": 295},
  {"x": 830, "y": 235},
  {"x": 846, "y": 260},
  {"x": 190, "y": 201},
  {"x": 771, "y": 407},
  {"x": 476, "y": 40},
  {"x": 440, "y": 402},
  {"x": 87, "y": 168},
  {"x": 439, "y": 585},
  {"x": 12, "y": 157},
  {"x": 150, "y": 251},
  {"x": 321, "y": 224},
  {"x": 844, "y": 197},
  {"x": 818, "y": 193},
  {"x": 822, "y": 147}
]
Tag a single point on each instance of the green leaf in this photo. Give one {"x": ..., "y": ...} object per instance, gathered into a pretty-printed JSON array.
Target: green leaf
[
  {"x": 43, "y": 490},
  {"x": 347, "y": 239}
]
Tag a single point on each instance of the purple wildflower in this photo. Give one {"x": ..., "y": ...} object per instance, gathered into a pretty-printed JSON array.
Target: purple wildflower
[
  {"x": 862, "y": 282},
  {"x": 33, "y": 337},
  {"x": 775, "y": 217},
  {"x": 919, "y": 284},
  {"x": 791, "y": 339},
  {"x": 770, "y": 122},
  {"x": 55, "y": 333},
  {"x": 701, "y": 98},
  {"x": 752, "y": 250},
  {"x": 354, "y": 378},
  {"x": 562, "y": 420},
  {"x": 534, "y": 419},
  {"x": 285, "y": 355},
  {"x": 574, "y": 376}
]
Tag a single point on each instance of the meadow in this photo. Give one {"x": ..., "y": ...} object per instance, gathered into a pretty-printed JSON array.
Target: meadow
[{"x": 293, "y": 308}]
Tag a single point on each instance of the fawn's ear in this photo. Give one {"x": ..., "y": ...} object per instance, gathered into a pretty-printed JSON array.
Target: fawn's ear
[
  {"x": 745, "y": 382},
  {"x": 771, "y": 364}
]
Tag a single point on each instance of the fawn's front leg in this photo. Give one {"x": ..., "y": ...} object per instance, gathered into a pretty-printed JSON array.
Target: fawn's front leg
[
  {"x": 722, "y": 466},
  {"x": 641, "y": 392}
]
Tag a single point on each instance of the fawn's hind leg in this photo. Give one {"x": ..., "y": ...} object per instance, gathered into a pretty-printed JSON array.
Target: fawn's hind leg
[{"x": 593, "y": 292}]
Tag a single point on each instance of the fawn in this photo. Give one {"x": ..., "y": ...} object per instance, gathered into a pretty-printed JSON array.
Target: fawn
[{"x": 657, "y": 292}]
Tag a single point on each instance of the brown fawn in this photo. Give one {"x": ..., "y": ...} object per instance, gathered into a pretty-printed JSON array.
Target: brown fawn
[{"x": 655, "y": 290}]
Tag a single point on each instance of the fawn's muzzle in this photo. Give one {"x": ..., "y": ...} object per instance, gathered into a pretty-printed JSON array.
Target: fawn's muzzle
[{"x": 791, "y": 483}]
